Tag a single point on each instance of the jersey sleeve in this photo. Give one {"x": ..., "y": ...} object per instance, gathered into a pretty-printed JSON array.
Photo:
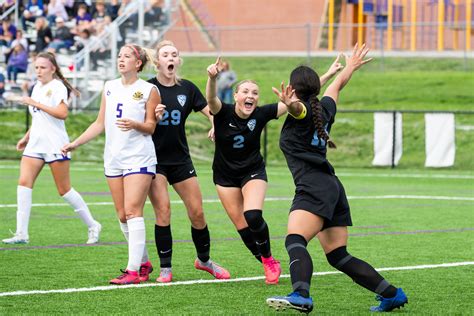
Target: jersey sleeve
[
  {"x": 199, "y": 102},
  {"x": 269, "y": 111},
  {"x": 60, "y": 94},
  {"x": 329, "y": 106}
]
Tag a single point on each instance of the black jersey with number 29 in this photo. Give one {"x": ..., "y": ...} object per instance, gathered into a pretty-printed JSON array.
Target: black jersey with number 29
[
  {"x": 169, "y": 137},
  {"x": 238, "y": 140}
]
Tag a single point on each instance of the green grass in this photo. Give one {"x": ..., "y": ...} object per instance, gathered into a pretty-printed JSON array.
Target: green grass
[
  {"x": 384, "y": 84},
  {"x": 395, "y": 232}
]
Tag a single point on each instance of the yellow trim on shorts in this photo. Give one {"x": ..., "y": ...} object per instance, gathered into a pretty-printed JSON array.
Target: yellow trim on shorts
[{"x": 302, "y": 115}]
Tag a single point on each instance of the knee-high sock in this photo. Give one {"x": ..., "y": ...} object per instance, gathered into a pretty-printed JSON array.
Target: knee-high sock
[
  {"x": 301, "y": 264},
  {"x": 361, "y": 272},
  {"x": 136, "y": 242},
  {"x": 260, "y": 232},
  {"x": 124, "y": 229},
  {"x": 164, "y": 245},
  {"x": 247, "y": 238},
  {"x": 202, "y": 242},
  {"x": 23, "y": 197},
  {"x": 76, "y": 201}
]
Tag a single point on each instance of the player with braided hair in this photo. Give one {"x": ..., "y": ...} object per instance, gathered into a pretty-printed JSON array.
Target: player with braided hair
[{"x": 320, "y": 206}]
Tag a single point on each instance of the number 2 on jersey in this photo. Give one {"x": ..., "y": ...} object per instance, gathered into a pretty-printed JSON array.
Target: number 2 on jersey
[
  {"x": 174, "y": 118},
  {"x": 238, "y": 141}
]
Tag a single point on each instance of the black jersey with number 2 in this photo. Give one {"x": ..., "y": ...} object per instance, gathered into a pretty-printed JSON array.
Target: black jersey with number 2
[
  {"x": 169, "y": 137},
  {"x": 299, "y": 139},
  {"x": 238, "y": 140}
]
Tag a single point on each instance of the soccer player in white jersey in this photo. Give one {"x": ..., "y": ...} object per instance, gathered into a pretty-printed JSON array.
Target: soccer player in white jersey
[
  {"x": 127, "y": 114},
  {"x": 42, "y": 144}
]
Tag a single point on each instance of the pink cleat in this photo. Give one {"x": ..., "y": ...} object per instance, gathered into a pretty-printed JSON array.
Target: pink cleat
[
  {"x": 272, "y": 270},
  {"x": 145, "y": 270},
  {"x": 213, "y": 268},
  {"x": 128, "y": 277},
  {"x": 165, "y": 276}
]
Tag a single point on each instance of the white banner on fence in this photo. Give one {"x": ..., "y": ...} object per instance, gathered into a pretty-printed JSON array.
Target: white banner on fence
[
  {"x": 383, "y": 139},
  {"x": 439, "y": 144}
]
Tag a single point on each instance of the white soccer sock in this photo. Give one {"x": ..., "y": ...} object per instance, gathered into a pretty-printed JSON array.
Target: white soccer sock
[
  {"x": 80, "y": 207},
  {"x": 23, "y": 198},
  {"x": 124, "y": 229},
  {"x": 136, "y": 242}
]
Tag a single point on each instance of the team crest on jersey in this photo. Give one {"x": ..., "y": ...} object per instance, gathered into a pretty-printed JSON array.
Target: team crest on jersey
[
  {"x": 137, "y": 96},
  {"x": 49, "y": 93},
  {"x": 108, "y": 92},
  {"x": 181, "y": 99},
  {"x": 251, "y": 124}
]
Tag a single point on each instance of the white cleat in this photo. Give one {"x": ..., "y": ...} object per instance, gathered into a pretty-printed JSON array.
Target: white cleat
[
  {"x": 16, "y": 239},
  {"x": 94, "y": 233}
]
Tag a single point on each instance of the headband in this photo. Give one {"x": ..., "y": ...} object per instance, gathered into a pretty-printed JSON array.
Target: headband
[{"x": 134, "y": 50}]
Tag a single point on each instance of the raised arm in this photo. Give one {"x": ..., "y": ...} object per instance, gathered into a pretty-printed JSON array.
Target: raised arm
[
  {"x": 333, "y": 69},
  {"x": 289, "y": 99},
  {"x": 95, "y": 129},
  {"x": 353, "y": 63},
  {"x": 213, "y": 101}
]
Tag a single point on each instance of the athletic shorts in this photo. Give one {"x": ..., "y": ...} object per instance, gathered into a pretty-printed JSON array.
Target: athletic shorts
[
  {"x": 226, "y": 180},
  {"x": 116, "y": 173},
  {"x": 177, "y": 173},
  {"x": 322, "y": 194},
  {"x": 48, "y": 158}
]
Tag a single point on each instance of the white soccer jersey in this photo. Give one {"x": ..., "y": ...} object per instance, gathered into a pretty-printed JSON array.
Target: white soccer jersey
[
  {"x": 129, "y": 149},
  {"x": 47, "y": 133}
]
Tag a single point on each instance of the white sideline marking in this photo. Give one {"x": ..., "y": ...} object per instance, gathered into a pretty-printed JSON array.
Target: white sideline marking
[
  {"x": 191, "y": 282},
  {"x": 342, "y": 174},
  {"x": 368, "y": 197}
]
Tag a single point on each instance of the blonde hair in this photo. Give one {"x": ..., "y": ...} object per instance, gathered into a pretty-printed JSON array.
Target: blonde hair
[
  {"x": 140, "y": 53},
  {"x": 159, "y": 46},
  {"x": 57, "y": 73},
  {"x": 237, "y": 86}
]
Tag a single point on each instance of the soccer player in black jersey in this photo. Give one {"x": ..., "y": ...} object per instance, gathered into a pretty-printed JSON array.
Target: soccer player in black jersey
[
  {"x": 238, "y": 168},
  {"x": 320, "y": 206},
  {"x": 174, "y": 166}
]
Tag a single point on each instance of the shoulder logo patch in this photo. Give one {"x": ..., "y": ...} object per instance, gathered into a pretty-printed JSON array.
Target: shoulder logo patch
[
  {"x": 137, "y": 96},
  {"x": 108, "y": 92},
  {"x": 251, "y": 124},
  {"x": 181, "y": 99}
]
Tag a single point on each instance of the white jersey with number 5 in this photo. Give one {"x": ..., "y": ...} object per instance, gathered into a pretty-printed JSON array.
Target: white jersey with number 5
[
  {"x": 127, "y": 149},
  {"x": 47, "y": 133}
]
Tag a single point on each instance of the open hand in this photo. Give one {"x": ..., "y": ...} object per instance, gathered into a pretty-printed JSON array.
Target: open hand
[{"x": 286, "y": 95}]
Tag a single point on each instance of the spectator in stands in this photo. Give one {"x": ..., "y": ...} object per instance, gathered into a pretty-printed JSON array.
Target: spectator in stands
[
  {"x": 2, "y": 86},
  {"x": 5, "y": 5},
  {"x": 18, "y": 62},
  {"x": 62, "y": 37},
  {"x": 83, "y": 19},
  {"x": 33, "y": 10},
  {"x": 28, "y": 84},
  {"x": 44, "y": 36},
  {"x": 225, "y": 80},
  {"x": 113, "y": 9},
  {"x": 99, "y": 17},
  {"x": 154, "y": 13},
  {"x": 56, "y": 9},
  {"x": 7, "y": 32},
  {"x": 18, "y": 40}
]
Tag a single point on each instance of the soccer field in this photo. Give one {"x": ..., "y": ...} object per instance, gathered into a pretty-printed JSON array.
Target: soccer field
[{"x": 417, "y": 226}]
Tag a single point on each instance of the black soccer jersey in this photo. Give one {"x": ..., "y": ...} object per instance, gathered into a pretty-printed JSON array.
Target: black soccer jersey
[
  {"x": 299, "y": 139},
  {"x": 169, "y": 137},
  {"x": 238, "y": 140}
]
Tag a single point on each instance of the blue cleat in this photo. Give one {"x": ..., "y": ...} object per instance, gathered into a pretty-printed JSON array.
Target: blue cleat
[
  {"x": 389, "y": 304},
  {"x": 292, "y": 301}
]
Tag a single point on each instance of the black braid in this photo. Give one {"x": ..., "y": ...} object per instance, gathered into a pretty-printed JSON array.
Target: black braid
[{"x": 318, "y": 120}]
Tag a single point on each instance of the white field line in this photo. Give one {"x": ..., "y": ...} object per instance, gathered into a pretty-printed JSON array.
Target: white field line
[
  {"x": 192, "y": 282},
  {"x": 368, "y": 197},
  {"x": 341, "y": 174}
]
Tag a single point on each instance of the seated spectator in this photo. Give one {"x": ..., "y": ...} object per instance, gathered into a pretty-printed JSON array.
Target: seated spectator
[
  {"x": 2, "y": 86},
  {"x": 225, "y": 80},
  {"x": 33, "y": 10},
  {"x": 154, "y": 13},
  {"x": 113, "y": 9},
  {"x": 62, "y": 37},
  {"x": 18, "y": 40},
  {"x": 56, "y": 9},
  {"x": 98, "y": 18},
  {"x": 7, "y": 32},
  {"x": 18, "y": 62},
  {"x": 44, "y": 36},
  {"x": 83, "y": 19}
]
